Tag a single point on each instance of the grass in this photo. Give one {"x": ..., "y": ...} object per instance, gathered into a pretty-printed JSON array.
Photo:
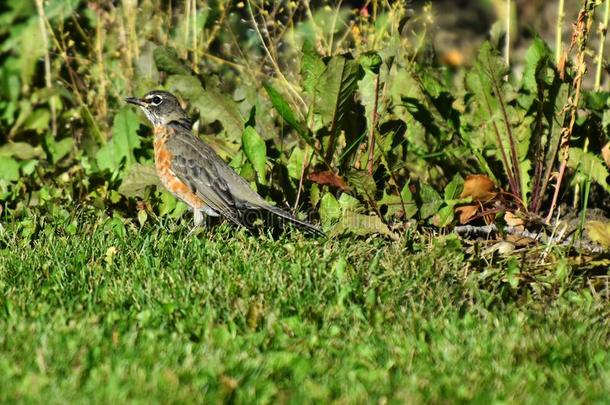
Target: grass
[{"x": 149, "y": 315}]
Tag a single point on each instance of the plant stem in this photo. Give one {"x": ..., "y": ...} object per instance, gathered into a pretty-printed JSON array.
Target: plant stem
[
  {"x": 558, "y": 31},
  {"x": 507, "y": 42},
  {"x": 278, "y": 71},
  {"x": 600, "y": 52},
  {"x": 579, "y": 37},
  {"x": 373, "y": 128},
  {"x": 47, "y": 63}
]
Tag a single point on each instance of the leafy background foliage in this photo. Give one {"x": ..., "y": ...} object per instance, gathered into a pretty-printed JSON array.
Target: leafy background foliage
[{"x": 338, "y": 112}]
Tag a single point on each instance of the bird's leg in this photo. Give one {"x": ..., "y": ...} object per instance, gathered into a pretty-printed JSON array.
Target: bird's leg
[{"x": 197, "y": 219}]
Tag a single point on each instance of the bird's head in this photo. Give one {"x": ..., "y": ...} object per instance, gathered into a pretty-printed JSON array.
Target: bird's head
[{"x": 161, "y": 108}]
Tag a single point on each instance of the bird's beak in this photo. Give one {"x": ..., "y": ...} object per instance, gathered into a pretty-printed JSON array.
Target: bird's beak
[{"x": 135, "y": 100}]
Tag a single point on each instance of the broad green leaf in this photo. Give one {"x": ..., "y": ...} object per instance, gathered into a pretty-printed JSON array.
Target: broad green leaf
[
  {"x": 287, "y": 114},
  {"x": 312, "y": 68},
  {"x": 167, "y": 60},
  {"x": 362, "y": 224},
  {"x": 256, "y": 151},
  {"x": 39, "y": 120},
  {"x": 137, "y": 179},
  {"x": 330, "y": 210},
  {"x": 431, "y": 201},
  {"x": 454, "y": 188},
  {"x": 214, "y": 106},
  {"x": 490, "y": 113},
  {"x": 370, "y": 61},
  {"x": 187, "y": 85},
  {"x": 363, "y": 183},
  {"x": 58, "y": 149},
  {"x": 590, "y": 165},
  {"x": 20, "y": 150},
  {"x": 349, "y": 203},
  {"x": 394, "y": 206},
  {"x": 295, "y": 163},
  {"x": 536, "y": 59},
  {"x": 9, "y": 169},
  {"x": 444, "y": 217},
  {"x": 336, "y": 89},
  {"x": 123, "y": 143}
]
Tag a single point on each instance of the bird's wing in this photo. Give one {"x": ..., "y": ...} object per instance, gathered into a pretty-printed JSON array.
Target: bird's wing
[
  {"x": 225, "y": 191},
  {"x": 196, "y": 164}
]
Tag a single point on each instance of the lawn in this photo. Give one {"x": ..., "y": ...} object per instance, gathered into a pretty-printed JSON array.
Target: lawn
[{"x": 92, "y": 310}]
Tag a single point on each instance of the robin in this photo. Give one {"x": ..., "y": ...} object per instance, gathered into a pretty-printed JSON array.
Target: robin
[{"x": 195, "y": 174}]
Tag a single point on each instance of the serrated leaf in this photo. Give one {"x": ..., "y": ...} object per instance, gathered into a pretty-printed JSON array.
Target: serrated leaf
[
  {"x": 167, "y": 60},
  {"x": 312, "y": 68},
  {"x": 536, "y": 58},
  {"x": 362, "y": 182},
  {"x": 214, "y": 106},
  {"x": 256, "y": 151},
  {"x": 137, "y": 179},
  {"x": 371, "y": 61},
  {"x": 336, "y": 89}
]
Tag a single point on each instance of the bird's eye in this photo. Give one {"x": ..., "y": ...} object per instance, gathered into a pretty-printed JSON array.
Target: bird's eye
[{"x": 156, "y": 100}]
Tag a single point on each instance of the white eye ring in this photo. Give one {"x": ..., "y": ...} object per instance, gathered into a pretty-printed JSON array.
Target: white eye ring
[{"x": 156, "y": 100}]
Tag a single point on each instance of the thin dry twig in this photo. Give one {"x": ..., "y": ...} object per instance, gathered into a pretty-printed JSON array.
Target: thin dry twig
[{"x": 579, "y": 37}]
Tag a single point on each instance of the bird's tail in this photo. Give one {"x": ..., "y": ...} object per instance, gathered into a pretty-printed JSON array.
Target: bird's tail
[{"x": 290, "y": 218}]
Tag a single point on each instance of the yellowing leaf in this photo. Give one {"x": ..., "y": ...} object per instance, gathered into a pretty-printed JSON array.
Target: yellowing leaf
[{"x": 599, "y": 232}]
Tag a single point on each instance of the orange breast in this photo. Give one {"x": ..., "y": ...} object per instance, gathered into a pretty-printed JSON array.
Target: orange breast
[{"x": 163, "y": 160}]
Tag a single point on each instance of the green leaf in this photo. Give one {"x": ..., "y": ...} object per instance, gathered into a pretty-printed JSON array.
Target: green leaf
[
  {"x": 371, "y": 61},
  {"x": 336, "y": 89},
  {"x": 536, "y": 59},
  {"x": 431, "y": 201},
  {"x": 454, "y": 188},
  {"x": 137, "y": 179},
  {"x": 123, "y": 143},
  {"x": 330, "y": 210},
  {"x": 167, "y": 60},
  {"x": 361, "y": 224},
  {"x": 349, "y": 203},
  {"x": 490, "y": 114},
  {"x": 187, "y": 85},
  {"x": 444, "y": 217},
  {"x": 58, "y": 149},
  {"x": 363, "y": 183},
  {"x": 295, "y": 163},
  {"x": 287, "y": 114},
  {"x": 9, "y": 169},
  {"x": 256, "y": 152},
  {"x": 312, "y": 68},
  {"x": 590, "y": 165},
  {"x": 214, "y": 106},
  {"x": 20, "y": 150},
  {"x": 38, "y": 120}
]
